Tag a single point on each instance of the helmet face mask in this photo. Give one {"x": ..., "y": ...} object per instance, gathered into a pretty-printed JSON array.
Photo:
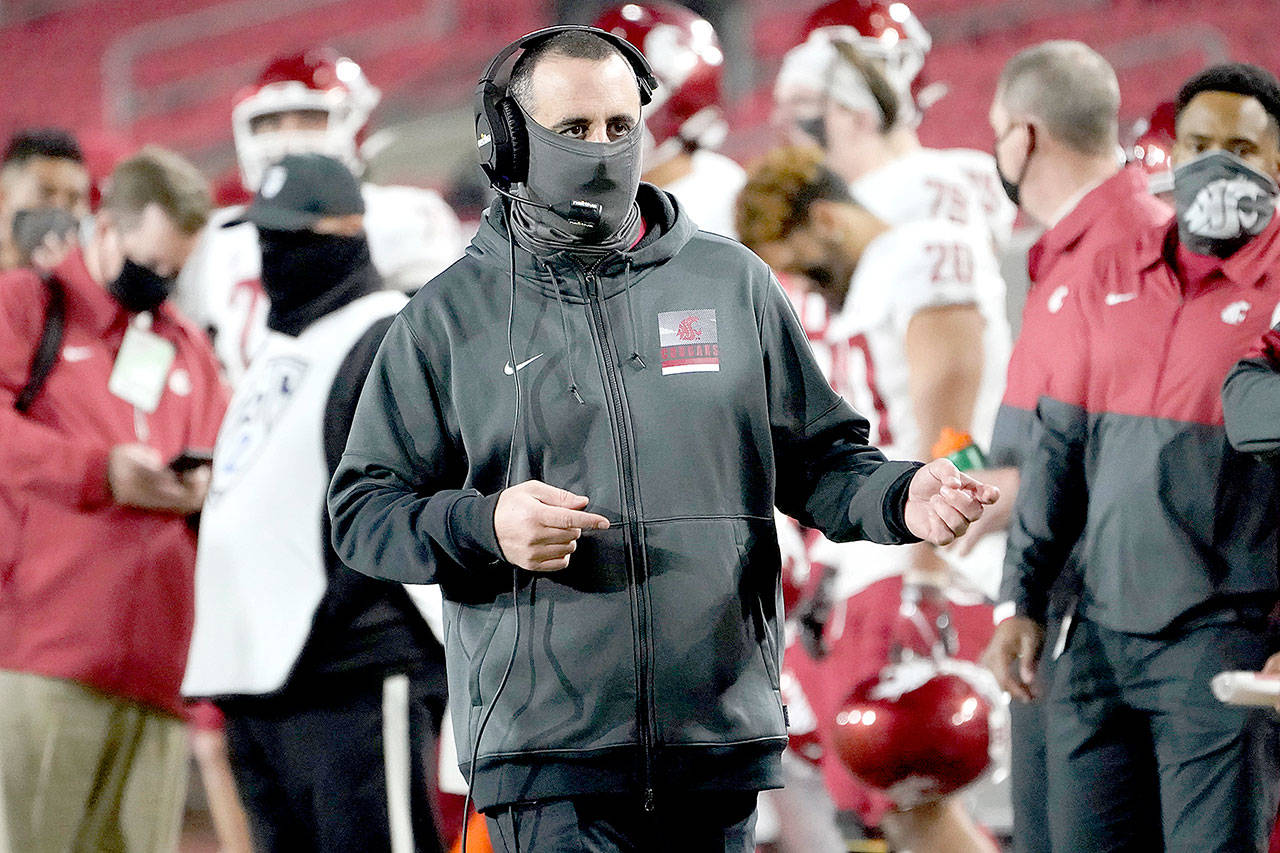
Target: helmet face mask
[
  {"x": 685, "y": 55},
  {"x": 317, "y": 81}
]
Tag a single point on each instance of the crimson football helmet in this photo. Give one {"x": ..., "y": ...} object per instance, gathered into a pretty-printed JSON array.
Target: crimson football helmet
[
  {"x": 923, "y": 728},
  {"x": 886, "y": 32},
  {"x": 927, "y": 724},
  {"x": 318, "y": 80},
  {"x": 685, "y": 54},
  {"x": 1153, "y": 147}
]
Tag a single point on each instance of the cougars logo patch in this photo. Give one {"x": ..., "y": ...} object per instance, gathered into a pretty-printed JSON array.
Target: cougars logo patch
[{"x": 689, "y": 342}]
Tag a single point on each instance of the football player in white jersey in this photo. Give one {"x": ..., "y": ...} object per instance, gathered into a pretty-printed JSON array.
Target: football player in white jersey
[
  {"x": 919, "y": 342},
  {"x": 310, "y": 102},
  {"x": 684, "y": 123},
  {"x": 853, "y": 88}
]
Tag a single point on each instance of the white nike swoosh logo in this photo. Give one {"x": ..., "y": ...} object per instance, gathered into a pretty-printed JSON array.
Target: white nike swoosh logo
[
  {"x": 1117, "y": 298},
  {"x": 507, "y": 369},
  {"x": 76, "y": 353}
]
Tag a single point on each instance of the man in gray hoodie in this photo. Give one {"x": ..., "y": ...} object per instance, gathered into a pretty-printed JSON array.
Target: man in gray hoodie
[{"x": 580, "y": 431}]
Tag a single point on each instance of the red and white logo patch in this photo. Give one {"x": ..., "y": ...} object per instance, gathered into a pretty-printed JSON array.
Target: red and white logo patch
[{"x": 689, "y": 341}]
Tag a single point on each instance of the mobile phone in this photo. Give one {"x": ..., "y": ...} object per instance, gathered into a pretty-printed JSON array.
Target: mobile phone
[{"x": 190, "y": 459}]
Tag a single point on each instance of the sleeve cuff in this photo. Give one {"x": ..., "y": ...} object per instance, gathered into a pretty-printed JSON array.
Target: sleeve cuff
[
  {"x": 895, "y": 506},
  {"x": 470, "y": 525}
]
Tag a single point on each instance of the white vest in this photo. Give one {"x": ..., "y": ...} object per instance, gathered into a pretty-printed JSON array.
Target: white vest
[{"x": 260, "y": 565}]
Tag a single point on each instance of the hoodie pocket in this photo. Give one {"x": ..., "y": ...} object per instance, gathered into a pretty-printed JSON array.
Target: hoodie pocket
[{"x": 715, "y": 638}]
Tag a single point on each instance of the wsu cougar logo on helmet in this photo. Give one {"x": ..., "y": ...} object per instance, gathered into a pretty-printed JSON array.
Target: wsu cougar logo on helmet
[{"x": 689, "y": 341}]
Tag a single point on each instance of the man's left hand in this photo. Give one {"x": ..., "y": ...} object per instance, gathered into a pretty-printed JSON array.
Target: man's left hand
[{"x": 942, "y": 502}]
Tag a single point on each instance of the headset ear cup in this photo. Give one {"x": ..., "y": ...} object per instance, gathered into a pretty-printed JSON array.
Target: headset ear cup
[{"x": 517, "y": 165}]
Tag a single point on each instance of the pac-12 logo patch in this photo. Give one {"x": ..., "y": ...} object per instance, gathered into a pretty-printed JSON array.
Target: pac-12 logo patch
[{"x": 689, "y": 342}]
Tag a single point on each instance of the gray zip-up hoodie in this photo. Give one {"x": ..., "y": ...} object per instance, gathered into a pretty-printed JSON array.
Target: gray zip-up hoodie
[{"x": 672, "y": 385}]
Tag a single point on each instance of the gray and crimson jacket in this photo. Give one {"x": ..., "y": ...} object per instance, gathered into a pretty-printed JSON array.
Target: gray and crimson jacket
[
  {"x": 1132, "y": 457},
  {"x": 1062, "y": 260},
  {"x": 672, "y": 385}
]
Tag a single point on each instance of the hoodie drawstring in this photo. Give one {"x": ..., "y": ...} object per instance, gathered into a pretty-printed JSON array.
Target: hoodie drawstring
[
  {"x": 564, "y": 330},
  {"x": 631, "y": 316}
]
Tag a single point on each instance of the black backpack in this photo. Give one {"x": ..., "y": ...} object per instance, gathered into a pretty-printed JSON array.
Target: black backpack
[{"x": 46, "y": 355}]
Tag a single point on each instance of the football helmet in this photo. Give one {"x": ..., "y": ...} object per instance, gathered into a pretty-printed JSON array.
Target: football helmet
[
  {"x": 1153, "y": 145},
  {"x": 314, "y": 80},
  {"x": 888, "y": 32},
  {"x": 927, "y": 724},
  {"x": 685, "y": 54},
  {"x": 923, "y": 728}
]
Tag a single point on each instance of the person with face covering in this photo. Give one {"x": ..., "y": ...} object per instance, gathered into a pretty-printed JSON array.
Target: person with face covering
[
  {"x": 1054, "y": 121},
  {"x": 579, "y": 432},
  {"x": 97, "y": 548},
  {"x": 1173, "y": 529},
  {"x": 331, "y": 682}
]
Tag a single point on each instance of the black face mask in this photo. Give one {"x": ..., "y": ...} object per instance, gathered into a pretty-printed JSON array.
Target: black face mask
[
  {"x": 299, "y": 265},
  {"x": 1222, "y": 203},
  {"x": 1013, "y": 189},
  {"x": 140, "y": 288},
  {"x": 306, "y": 275},
  {"x": 816, "y": 128}
]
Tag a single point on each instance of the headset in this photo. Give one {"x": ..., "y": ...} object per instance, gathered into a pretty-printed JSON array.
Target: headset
[{"x": 501, "y": 138}]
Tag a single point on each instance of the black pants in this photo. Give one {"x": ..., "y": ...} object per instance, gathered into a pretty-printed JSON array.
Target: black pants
[
  {"x": 316, "y": 777},
  {"x": 1142, "y": 757},
  {"x": 697, "y": 823},
  {"x": 1027, "y": 773}
]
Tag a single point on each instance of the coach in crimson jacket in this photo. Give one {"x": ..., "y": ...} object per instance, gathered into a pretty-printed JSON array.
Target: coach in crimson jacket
[
  {"x": 1177, "y": 531},
  {"x": 96, "y": 550}
]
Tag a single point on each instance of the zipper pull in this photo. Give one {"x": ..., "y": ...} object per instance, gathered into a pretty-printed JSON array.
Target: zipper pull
[{"x": 648, "y": 801}]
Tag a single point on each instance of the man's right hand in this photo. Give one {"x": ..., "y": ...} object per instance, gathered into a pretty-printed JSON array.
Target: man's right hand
[
  {"x": 1019, "y": 640},
  {"x": 538, "y": 525},
  {"x": 139, "y": 477}
]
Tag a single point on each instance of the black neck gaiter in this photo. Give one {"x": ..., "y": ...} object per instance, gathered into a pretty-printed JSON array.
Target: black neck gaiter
[{"x": 308, "y": 275}]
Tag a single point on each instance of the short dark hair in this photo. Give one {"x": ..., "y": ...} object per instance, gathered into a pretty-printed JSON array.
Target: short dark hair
[
  {"x": 1239, "y": 78},
  {"x": 157, "y": 176},
  {"x": 779, "y": 191},
  {"x": 574, "y": 44},
  {"x": 53, "y": 142}
]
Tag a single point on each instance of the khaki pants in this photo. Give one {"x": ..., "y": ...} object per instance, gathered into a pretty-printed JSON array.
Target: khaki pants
[{"x": 83, "y": 771}]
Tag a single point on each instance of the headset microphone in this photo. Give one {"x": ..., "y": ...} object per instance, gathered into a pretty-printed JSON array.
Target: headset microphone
[{"x": 577, "y": 212}]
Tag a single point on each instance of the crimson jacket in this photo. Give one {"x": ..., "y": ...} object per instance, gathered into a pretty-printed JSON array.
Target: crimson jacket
[
  {"x": 90, "y": 590},
  {"x": 1132, "y": 457},
  {"x": 1061, "y": 260}
]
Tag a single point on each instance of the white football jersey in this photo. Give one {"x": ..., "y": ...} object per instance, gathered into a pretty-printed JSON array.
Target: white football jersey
[
  {"x": 956, "y": 185},
  {"x": 413, "y": 235},
  {"x": 911, "y": 268},
  {"x": 708, "y": 192}
]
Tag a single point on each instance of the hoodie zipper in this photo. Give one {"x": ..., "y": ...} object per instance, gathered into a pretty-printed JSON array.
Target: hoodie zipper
[{"x": 639, "y": 609}]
